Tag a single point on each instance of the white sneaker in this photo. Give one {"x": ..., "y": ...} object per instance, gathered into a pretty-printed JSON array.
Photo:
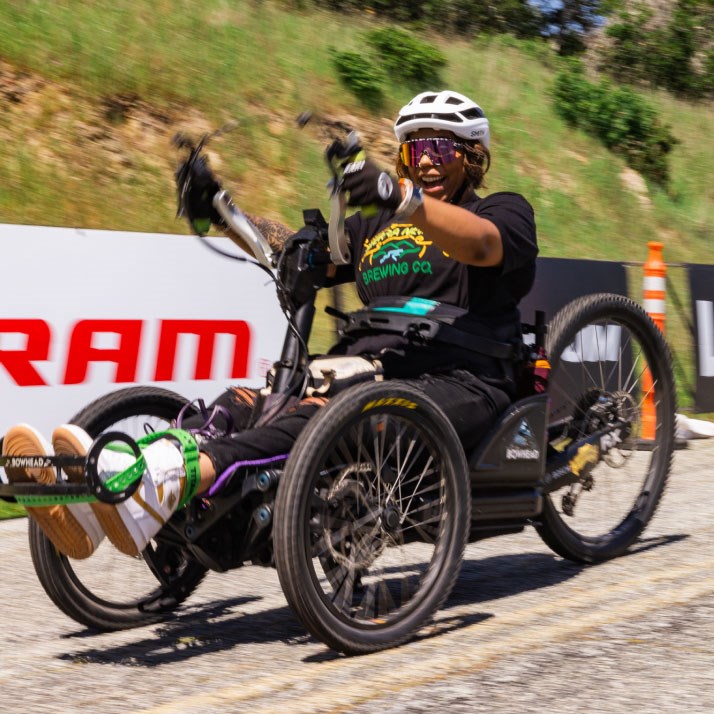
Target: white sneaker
[
  {"x": 131, "y": 524},
  {"x": 73, "y": 529}
]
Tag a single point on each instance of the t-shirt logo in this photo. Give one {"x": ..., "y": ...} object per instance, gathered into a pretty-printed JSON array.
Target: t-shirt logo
[
  {"x": 399, "y": 249},
  {"x": 396, "y": 241},
  {"x": 394, "y": 251}
]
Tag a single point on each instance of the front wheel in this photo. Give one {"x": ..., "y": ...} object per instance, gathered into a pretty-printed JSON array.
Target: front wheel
[
  {"x": 109, "y": 590},
  {"x": 372, "y": 516},
  {"x": 611, "y": 375}
]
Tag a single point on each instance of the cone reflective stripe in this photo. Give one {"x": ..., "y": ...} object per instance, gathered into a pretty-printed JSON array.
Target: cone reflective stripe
[
  {"x": 654, "y": 301},
  {"x": 655, "y": 284}
]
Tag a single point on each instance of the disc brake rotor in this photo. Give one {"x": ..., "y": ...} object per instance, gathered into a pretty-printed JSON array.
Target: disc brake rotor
[{"x": 361, "y": 540}]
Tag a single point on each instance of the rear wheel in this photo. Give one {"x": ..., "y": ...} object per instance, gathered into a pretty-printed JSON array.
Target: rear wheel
[
  {"x": 372, "y": 517},
  {"x": 611, "y": 373},
  {"x": 109, "y": 590}
]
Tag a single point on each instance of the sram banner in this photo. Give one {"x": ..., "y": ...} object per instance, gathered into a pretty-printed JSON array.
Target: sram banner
[
  {"x": 701, "y": 287},
  {"x": 85, "y": 312},
  {"x": 82, "y": 351}
]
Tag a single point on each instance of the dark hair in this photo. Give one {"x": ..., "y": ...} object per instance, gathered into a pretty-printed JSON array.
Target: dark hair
[{"x": 477, "y": 161}]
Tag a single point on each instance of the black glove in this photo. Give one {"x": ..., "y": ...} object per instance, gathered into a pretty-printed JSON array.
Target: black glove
[
  {"x": 196, "y": 187},
  {"x": 368, "y": 185}
]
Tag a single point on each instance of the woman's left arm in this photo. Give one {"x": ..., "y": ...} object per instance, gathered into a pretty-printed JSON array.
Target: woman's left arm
[{"x": 461, "y": 234}]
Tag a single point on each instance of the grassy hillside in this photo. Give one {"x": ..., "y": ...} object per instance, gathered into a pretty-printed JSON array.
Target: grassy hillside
[{"x": 91, "y": 93}]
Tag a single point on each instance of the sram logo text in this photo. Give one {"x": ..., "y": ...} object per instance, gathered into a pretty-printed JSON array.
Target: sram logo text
[{"x": 79, "y": 350}]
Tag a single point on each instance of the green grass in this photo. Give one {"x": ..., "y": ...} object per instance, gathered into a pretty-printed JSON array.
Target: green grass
[
  {"x": 11, "y": 510},
  {"x": 256, "y": 62}
]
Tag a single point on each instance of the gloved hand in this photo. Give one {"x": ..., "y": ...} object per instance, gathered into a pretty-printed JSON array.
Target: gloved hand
[
  {"x": 368, "y": 185},
  {"x": 196, "y": 187}
]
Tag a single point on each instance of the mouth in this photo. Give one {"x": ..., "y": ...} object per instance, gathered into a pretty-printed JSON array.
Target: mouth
[{"x": 432, "y": 183}]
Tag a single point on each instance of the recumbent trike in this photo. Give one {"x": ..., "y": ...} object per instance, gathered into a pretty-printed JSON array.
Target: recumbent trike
[{"x": 368, "y": 518}]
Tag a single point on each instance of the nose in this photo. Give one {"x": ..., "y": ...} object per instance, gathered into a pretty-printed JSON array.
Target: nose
[{"x": 425, "y": 155}]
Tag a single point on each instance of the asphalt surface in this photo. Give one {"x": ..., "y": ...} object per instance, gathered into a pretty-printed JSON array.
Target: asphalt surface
[{"x": 523, "y": 631}]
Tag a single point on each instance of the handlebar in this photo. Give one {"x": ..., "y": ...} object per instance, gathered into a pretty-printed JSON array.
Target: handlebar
[
  {"x": 237, "y": 221},
  {"x": 337, "y": 155}
]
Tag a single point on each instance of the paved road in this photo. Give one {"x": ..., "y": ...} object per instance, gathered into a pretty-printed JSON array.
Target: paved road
[{"x": 523, "y": 631}]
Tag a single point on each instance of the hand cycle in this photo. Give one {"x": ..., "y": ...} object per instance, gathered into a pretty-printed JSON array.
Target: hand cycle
[{"x": 368, "y": 519}]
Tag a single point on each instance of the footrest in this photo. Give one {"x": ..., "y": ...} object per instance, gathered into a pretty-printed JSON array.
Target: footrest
[
  {"x": 40, "y": 494},
  {"x": 114, "y": 490}
]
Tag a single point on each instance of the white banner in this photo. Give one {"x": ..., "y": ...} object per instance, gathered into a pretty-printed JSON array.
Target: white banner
[{"x": 83, "y": 313}]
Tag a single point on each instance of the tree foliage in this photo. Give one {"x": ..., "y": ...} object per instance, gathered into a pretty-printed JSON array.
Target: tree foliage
[
  {"x": 672, "y": 49},
  {"x": 569, "y": 22},
  {"x": 667, "y": 44},
  {"x": 406, "y": 57},
  {"x": 462, "y": 17},
  {"x": 394, "y": 53},
  {"x": 620, "y": 118},
  {"x": 361, "y": 76}
]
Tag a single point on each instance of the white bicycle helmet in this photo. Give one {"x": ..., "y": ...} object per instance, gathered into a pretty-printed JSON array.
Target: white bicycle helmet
[{"x": 443, "y": 110}]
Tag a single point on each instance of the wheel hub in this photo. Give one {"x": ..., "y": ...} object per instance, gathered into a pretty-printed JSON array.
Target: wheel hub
[{"x": 391, "y": 519}]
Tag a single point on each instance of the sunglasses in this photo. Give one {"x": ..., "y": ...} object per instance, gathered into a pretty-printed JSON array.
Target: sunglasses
[{"x": 439, "y": 150}]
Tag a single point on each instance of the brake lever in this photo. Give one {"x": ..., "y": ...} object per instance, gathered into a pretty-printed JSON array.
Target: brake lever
[{"x": 184, "y": 141}]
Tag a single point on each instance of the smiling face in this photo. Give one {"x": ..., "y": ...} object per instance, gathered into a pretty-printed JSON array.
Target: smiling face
[{"x": 440, "y": 182}]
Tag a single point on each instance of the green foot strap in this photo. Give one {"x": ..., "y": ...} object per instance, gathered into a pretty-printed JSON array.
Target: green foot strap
[
  {"x": 191, "y": 455},
  {"x": 53, "y": 500},
  {"x": 122, "y": 480}
]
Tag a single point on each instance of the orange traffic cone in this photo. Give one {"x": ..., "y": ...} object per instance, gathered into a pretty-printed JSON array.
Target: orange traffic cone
[{"x": 654, "y": 293}]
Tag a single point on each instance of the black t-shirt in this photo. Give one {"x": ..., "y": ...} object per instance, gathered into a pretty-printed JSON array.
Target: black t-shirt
[{"x": 395, "y": 258}]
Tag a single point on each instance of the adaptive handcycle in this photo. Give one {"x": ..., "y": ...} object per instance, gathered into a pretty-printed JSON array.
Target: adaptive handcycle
[{"x": 368, "y": 517}]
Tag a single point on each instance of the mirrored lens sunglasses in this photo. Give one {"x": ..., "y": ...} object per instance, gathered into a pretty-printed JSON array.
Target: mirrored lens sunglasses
[{"x": 440, "y": 151}]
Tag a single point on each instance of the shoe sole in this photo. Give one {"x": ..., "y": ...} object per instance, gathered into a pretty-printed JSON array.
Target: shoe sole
[
  {"x": 57, "y": 522},
  {"x": 68, "y": 443}
]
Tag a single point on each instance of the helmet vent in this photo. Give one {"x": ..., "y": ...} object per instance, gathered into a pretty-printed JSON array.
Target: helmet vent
[
  {"x": 455, "y": 118},
  {"x": 473, "y": 113},
  {"x": 454, "y": 100},
  {"x": 429, "y": 99}
]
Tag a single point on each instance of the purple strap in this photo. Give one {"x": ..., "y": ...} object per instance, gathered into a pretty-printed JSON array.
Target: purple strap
[
  {"x": 208, "y": 429},
  {"x": 220, "y": 482}
]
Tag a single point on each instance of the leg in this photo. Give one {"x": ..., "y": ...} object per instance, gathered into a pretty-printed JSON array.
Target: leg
[
  {"x": 131, "y": 524},
  {"x": 471, "y": 404},
  {"x": 220, "y": 454}
]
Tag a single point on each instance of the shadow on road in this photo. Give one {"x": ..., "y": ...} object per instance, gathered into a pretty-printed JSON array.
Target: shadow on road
[
  {"x": 216, "y": 626},
  {"x": 644, "y": 544},
  {"x": 212, "y": 627},
  {"x": 486, "y": 579}
]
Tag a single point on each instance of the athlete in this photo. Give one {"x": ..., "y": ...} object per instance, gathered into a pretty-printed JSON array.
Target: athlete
[{"x": 433, "y": 246}]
